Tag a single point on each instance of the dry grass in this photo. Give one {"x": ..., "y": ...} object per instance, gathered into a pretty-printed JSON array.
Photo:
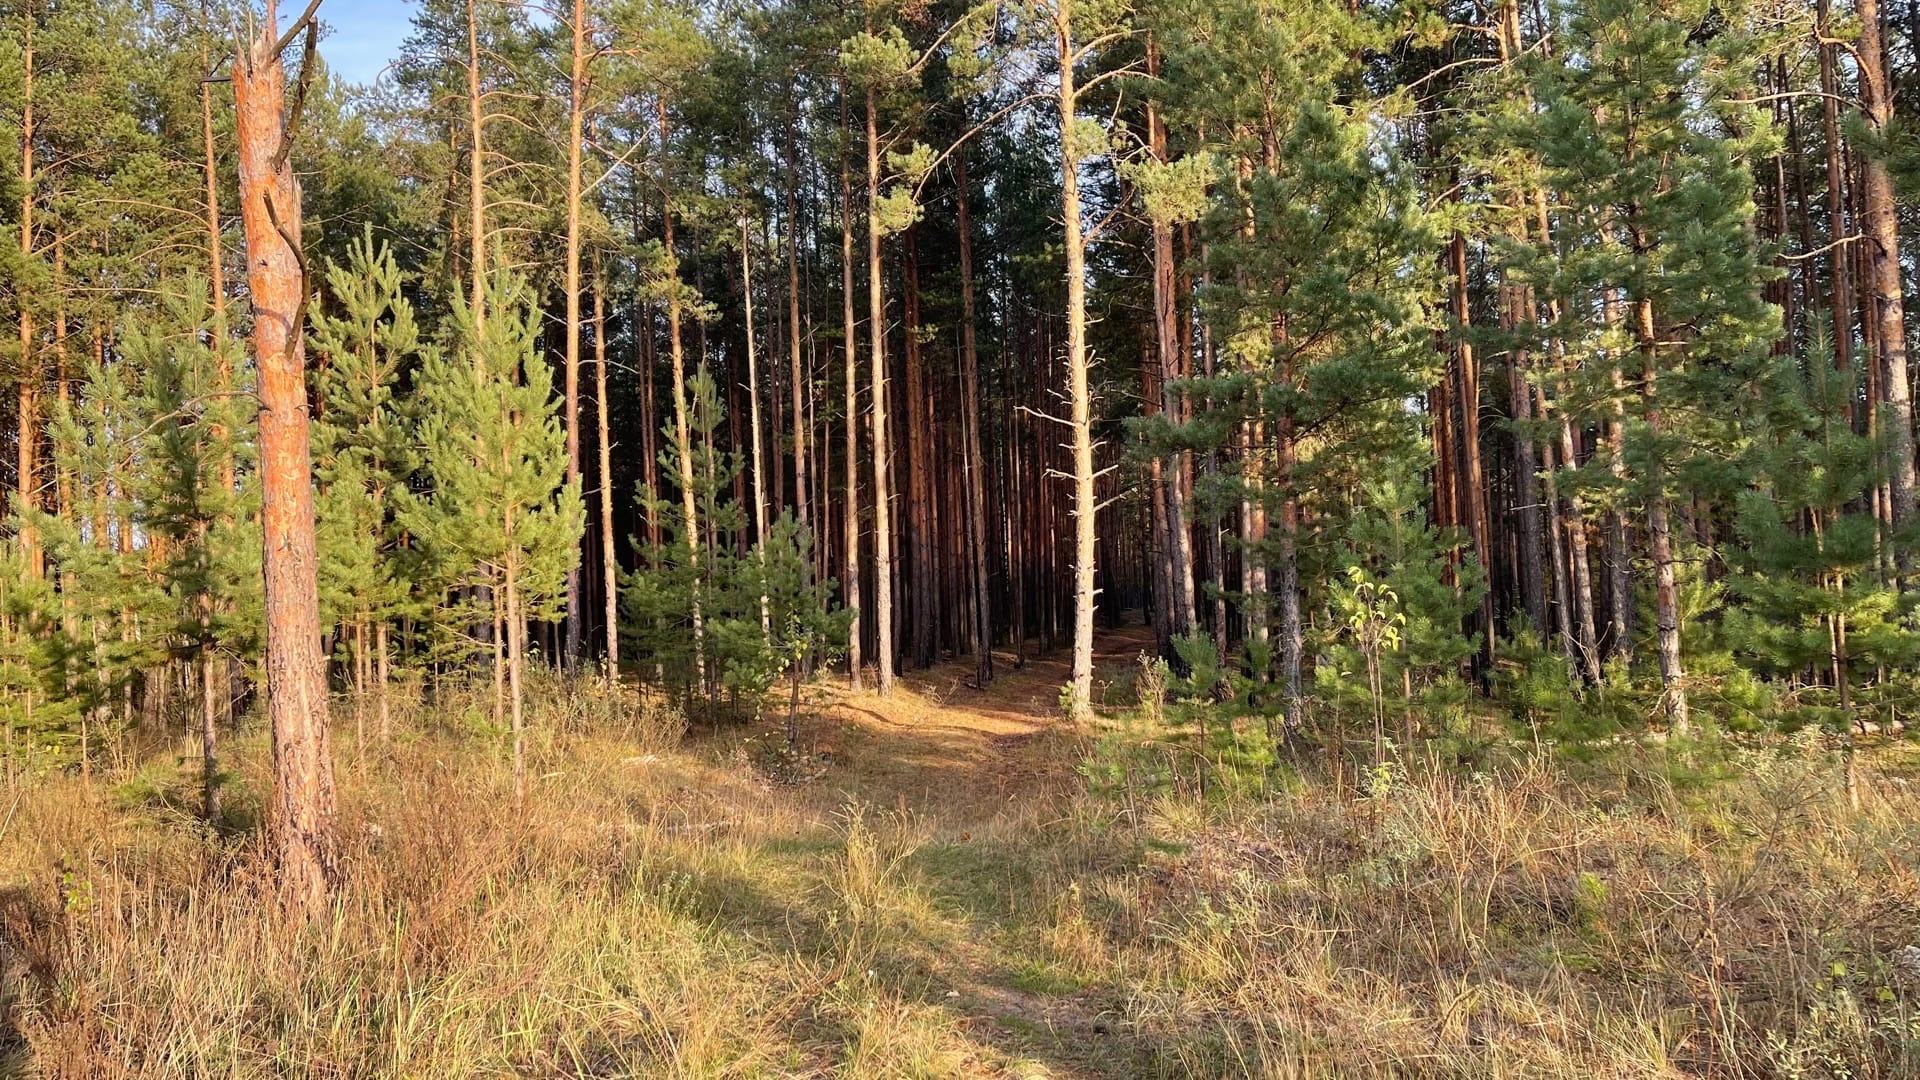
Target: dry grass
[{"x": 669, "y": 911}]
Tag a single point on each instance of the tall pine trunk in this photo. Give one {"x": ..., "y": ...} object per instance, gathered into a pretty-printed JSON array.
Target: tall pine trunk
[
  {"x": 797, "y": 378},
  {"x": 302, "y": 809},
  {"x": 1840, "y": 298},
  {"x": 971, "y": 418},
  {"x": 1666, "y": 593},
  {"x": 920, "y": 504},
  {"x": 1079, "y": 389},
  {"x": 850, "y": 511},
  {"x": 476, "y": 173},
  {"x": 882, "y": 486},
  {"x": 1170, "y": 348},
  {"x": 682, "y": 427},
  {"x": 609, "y": 560},
  {"x": 759, "y": 462},
  {"x": 1886, "y": 313},
  {"x": 576, "y": 148},
  {"x": 26, "y": 431}
]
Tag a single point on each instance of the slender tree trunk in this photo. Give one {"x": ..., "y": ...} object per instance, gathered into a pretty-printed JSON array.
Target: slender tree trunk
[
  {"x": 27, "y": 428},
  {"x": 1292, "y": 624},
  {"x": 1171, "y": 349},
  {"x": 216, "y": 260},
  {"x": 850, "y": 512},
  {"x": 384, "y": 680},
  {"x": 1586, "y": 638},
  {"x": 1216, "y": 540},
  {"x": 1516, "y": 314},
  {"x": 476, "y": 173},
  {"x": 1079, "y": 390},
  {"x": 971, "y": 417},
  {"x": 798, "y": 379},
  {"x": 882, "y": 488},
  {"x": 1888, "y": 308},
  {"x": 1556, "y": 552},
  {"x": 1159, "y": 554},
  {"x": 1840, "y": 298},
  {"x": 362, "y": 675},
  {"x": 1666, "y": 594},
  {"x": 682, "y": 429},
  {"x": 919, "y": 550},
  {"x": 753, "y": 409},
  {"x": 576, "y": 149},
  {"x": 1467, "y": 371},
  {"x": 302, "y": 809},
  {"x": 609, "y": 561},
  {"x": 1582, "y": 617},
  {"x": 209, "y": 732},
  {"x": 516, "y": 653},
  {"x": 496, "y": 627}
]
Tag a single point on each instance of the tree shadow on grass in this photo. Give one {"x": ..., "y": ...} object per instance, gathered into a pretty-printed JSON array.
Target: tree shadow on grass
[{"x": 1001, "y": 1004}]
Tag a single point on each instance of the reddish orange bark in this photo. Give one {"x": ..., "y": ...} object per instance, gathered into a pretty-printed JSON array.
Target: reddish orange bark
[{"x": 301, "y": 814}]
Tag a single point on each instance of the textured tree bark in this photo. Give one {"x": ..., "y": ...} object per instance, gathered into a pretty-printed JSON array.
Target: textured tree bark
[{"x": 302, "y": 811}]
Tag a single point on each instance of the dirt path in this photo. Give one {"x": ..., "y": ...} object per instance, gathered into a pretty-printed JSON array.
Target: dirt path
[
  {"x": 941, "y": 747},
  {"x": 976, "y": 771}
]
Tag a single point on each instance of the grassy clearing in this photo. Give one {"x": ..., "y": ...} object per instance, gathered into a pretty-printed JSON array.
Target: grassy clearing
[{"x": 942, "y": 897}]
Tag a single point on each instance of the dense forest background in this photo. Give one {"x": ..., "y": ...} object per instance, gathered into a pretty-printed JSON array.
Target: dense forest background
[{"x": 1382, "y": 356}]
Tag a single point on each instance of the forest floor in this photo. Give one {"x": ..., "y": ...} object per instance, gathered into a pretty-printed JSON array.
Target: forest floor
[{"x": 952, "y": 882}]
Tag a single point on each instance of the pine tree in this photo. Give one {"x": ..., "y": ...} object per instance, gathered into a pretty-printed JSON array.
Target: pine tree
[
  {"x": 660, "y": 600},
  {"x": 1807, "y": 573},
  {"x": 198, "y": 499},
  {"x": 498, "y": 510},
  {"x": 363, "y": 456},
  {"x": 1319, "y": 309},
  {"x": 93, "y": 646},
  {"x": 304, "y": 801}
]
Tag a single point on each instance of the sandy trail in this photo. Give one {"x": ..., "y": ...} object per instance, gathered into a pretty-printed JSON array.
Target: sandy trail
[{"x": 941, "y": 747}]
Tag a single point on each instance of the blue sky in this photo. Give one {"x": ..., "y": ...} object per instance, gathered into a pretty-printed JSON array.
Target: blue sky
[{"x": 365, "y": 35}]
